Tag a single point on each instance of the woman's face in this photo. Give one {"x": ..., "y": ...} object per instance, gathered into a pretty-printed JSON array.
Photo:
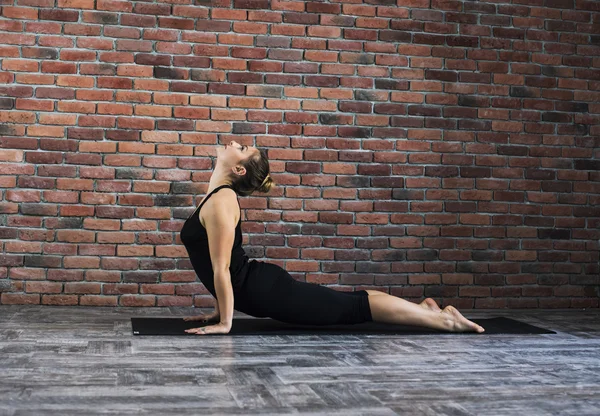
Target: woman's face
[{"x": 233, "y": 153}]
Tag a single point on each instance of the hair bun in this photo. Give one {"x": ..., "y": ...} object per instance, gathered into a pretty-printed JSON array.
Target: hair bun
[{"x": 266, "y": 185}]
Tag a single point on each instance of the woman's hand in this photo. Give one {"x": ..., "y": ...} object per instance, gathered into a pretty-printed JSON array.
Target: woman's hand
[
  {"x": 219, "y": 328},
  {"x": 213, "y": 317}
]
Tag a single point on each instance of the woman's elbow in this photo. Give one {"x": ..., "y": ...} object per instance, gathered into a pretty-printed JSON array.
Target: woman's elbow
[{"x": 220, "y": 270}]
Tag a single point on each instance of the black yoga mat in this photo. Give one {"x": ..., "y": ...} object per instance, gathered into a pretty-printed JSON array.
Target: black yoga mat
[{"x": 261, "y": 326}]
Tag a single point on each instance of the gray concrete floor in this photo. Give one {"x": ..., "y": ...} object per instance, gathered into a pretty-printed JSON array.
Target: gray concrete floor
[{"x": 85, "y": 360}]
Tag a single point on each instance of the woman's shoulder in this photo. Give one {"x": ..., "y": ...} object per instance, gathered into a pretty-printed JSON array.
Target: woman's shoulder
[
  {"x": 224, "y": 193},
  {"x": 223, "y": 199}
]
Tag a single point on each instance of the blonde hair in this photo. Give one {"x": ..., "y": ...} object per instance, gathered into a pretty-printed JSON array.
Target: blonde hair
[{"x": 266, "y": 185}]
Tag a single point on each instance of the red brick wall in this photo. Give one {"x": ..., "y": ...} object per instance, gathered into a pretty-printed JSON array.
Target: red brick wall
[{"x": 422, "y": 147}]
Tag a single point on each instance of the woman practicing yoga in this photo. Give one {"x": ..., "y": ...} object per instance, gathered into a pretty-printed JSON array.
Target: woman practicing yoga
[{"x": 212, "y": 236}]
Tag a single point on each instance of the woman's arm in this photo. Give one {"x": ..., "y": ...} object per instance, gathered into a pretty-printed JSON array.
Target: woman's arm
[
  {"x": 224, "y": 296},
  {"x": 220, "y": 228},
  {"x": 217, "y": 306}
]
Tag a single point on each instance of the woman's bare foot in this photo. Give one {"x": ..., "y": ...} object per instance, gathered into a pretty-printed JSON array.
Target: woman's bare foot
[
  {"x": 459, "y": 323},
  {"x": 430, "y": 304}
]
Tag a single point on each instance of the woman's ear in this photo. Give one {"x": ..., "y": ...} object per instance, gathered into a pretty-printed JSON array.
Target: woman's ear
[{"x": 239, "y": 170}]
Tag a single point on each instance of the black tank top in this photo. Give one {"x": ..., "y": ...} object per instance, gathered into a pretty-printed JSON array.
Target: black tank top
[{"x": 195, "y": 239}]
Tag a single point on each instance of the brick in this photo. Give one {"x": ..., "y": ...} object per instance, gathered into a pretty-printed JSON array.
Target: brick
[{"x": 251, "y": 4}]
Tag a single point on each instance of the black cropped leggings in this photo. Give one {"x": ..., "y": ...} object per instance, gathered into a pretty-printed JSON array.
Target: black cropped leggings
[{"x": 270, "y": 291}]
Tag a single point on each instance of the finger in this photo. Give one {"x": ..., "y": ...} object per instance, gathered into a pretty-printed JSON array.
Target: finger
[
  {"x": 197, "y": 331},
  {"x": 193, "y": 330},
  {"x": 194, "y": 318},
  {"x": 212, "y": 329}
]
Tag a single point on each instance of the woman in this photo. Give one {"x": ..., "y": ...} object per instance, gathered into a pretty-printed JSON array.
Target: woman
[{"x": 213, "y": 238}]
